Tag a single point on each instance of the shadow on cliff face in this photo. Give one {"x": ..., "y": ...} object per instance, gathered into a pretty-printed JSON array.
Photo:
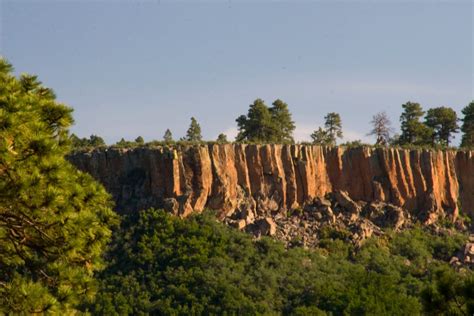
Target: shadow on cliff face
[
  {"x": 134, "y": 191},
  {"x": 427, "y": 184}
]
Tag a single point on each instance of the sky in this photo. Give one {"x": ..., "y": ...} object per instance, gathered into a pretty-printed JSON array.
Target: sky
[{"x": 131, "y": 68}]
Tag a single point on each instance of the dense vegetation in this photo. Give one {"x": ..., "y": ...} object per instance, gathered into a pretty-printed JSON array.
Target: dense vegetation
[
  {"x": 161, "y": 264},
  {"x": 266, "y": 124},
  {"x": 93, "y": 141},
  {"x": 54, "y": 220}
]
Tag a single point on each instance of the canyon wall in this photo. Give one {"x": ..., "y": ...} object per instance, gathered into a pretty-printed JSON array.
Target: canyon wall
[{"x": 231, "y": 177}]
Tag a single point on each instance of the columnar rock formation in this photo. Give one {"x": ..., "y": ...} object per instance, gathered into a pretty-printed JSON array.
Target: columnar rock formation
[{"x": 234, "y": 177}]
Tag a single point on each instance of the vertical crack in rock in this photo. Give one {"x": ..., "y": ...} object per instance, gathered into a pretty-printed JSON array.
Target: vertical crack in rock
[{"x": 274, "y": 178}]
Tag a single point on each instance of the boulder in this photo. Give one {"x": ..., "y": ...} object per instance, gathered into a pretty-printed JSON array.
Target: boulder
[
  {"x": 322, "y": 202},
  {"x": 239, "y": 224},
  {"x": 266, "y": 205},
  {"x": 171, "y": 205},
  {"x": 318, "y": 216},
  {"x": 343, "y": 199},
  {"x": 394, "y": 217},
  {"x": 266, "y": 226}
]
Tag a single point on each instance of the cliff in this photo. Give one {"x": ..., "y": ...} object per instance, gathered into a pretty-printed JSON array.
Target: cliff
[{"x": 275, "y": 178}]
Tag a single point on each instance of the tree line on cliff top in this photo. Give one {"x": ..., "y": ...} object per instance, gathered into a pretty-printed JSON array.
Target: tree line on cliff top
[{"x": 273, "y": 124}]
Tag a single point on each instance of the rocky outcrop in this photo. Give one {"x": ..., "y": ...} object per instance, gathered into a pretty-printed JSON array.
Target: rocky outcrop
[
  {"x": 264, "y": 180},
  {"x": 335, "y": 217}
]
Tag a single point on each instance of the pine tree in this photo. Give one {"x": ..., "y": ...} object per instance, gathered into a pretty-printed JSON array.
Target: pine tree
[
  {"x": 468, "y": 126},
  {"x": 413, "y": 130},
  {"x": 257, "y": 125},
  {"x": 93, "y": 141},
  {"x": 96, "y": 141},
  {"x": 122, "y": 143},
  {"x": 283, "y": 124},
  {"x": 444, "y": 122},
  {"x": 139, "y": 140},
  {"x": 321, "y": 137},
  {"x": 333, "y": 127},
  {"x": 54, "y": 220},
  {"x": 168, "y": 137},
  {"x": 222, "y": 139},
  {"x": 266, "y": 125},
  {"x": 194, "y": 131}
]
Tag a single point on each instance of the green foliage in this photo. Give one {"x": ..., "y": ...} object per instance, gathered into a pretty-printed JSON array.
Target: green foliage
[
  {"x": 193, "y": 133},
  {"x": 468, "y": 126},
  {"x": 355, "y": 143},
  {"x": 266, "y": 125},
  {"x": 161, "y": 264},
  {"x": 282, "y": 121},
  {"x": 333, "y": 126},
  {"x": 444, "y": 122},
  {"x": 222, "y": 139},
  {"x": 122, "y": 143},
  {"x": 190, "y": 266},
  {"x": 139, "y": 140},
  {"x": 168, "y": 137},
  {"x": 257, "y": 125},
  {"x": 93, "y": 141},
  {"x": 413, "y": 130},
  {"x": 332, "y": 131},
  {"x": 449, "y": 293},
  {"x": 54, "y": 220},
  {"x": 321, "y": 137}
]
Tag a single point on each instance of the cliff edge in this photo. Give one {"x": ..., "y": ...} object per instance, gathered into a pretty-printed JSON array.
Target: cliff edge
[{"x": 276, "y": 178}]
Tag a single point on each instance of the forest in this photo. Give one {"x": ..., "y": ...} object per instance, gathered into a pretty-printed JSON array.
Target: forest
[{"x": 65, "y": 251}]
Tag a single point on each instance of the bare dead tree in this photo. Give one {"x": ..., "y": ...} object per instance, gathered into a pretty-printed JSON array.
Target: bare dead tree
[{"x": 381, "y": 128}]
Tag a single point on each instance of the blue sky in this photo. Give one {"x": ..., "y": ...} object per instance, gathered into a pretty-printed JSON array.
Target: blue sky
[{"x": 132, "y": 68}]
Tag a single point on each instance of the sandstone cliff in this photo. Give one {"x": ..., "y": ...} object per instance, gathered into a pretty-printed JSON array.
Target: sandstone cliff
[{"x": 275, "y": 178}]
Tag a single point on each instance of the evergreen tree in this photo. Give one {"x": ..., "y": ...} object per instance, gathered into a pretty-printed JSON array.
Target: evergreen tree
[
  {"x": 444, "y": 122},
  {"x": 139, "y": 140},
  {"x": 468, "y": 126},
  {"x": 96, "y": 141},
  {"x": 266, "y": 125},
  {"x": 381, "y": 128},
  {"x": 194, "y": 131},
  {"x": 54, "y": 220},
  {"x": 321, "y": 137},
  {"x": 413, "y": 130},
  {"x": 257, "y": 126},
  {"x": 333, "y": 126},
  {"x": 168, "y": 137},
  {"x": 283, "y": 124},
  {"x": 93, "y": 141},
  {"x": 222, "y": 139},
  {"x": 75, "y": 141},
  {"x": 122, "y": 143}
]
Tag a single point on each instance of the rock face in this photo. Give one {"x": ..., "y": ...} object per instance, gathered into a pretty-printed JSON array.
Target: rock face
[{"x": 251, "y": 181}]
